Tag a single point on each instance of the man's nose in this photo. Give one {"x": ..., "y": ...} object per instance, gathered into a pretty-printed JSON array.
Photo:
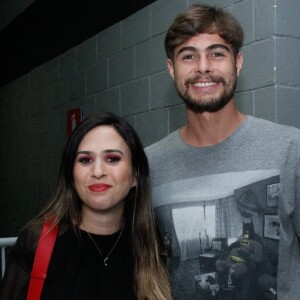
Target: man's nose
[{"x": 204, "y": 65}]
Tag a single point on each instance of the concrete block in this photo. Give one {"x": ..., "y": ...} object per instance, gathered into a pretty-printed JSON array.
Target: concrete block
[
  {"x": 29, "y": 104},
  {"x": 16, "y": 108},
  {"x": 97, "y": 77},
  {"x": 259, "y": 62},
  {"x": 51, "y": 121},
  {"x": 162, "y": 91},
  {"x": 177, "y": 117},
  {"x": 7, "y": 92},
  {"x": 244, "y": 13},
  {"x": 42, "y": 99},
  {"x": 44, "y": 74},
  {"x": 108, "y": 101},
  {"x": 287, "y": 61},
  {"x": 152, "y": 126},
  {"x": 163, "y": 13},
  {"x": 23, "y": 130},
  {"x": 51, "y": 95},
  {"x": 131, "y": 120},
  {"x": 150, "y": 57},
  {"x": 66, "y": 63},
  {"x": 287, "y": 16},
  {"x": 264, "y": 19},
  {"x": 135, "y": 97},
  {"x": 56, "y": 93},
  {"x": 136, "y": 28},
  {"x": 265, "y": 103},
  {"x": 23, "y": 85},
  {"x": 121, "y": 67},
  {"x": 75, "y": 86},
  {"x": 245, "y": 102},
  {"x": 36, "y": 129},
  {"x": 288, "y": 106},
  {"x": 109, "y": 42},
  {"x": 86, "y": 53}
]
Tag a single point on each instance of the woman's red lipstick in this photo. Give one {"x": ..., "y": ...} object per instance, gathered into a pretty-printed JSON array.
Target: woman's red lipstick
[{"x": 99, "y": 187}]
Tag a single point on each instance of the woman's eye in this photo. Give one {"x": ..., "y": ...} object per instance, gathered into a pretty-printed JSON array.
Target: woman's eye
[
  {"x": 85, "y": 160},
  {"x": 112, "y": 158}
]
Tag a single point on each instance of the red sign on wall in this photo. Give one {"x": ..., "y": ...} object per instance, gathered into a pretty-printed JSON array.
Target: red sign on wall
[{"x": 74, "y": 117}]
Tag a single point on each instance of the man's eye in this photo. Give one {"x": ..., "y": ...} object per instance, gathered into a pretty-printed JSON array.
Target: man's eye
[
  {"x": 85, "y": 160},
  {"x": 112, "y": 158},
  {"x": 188, "y": 57},
  {"x": 217, "y": 54}
]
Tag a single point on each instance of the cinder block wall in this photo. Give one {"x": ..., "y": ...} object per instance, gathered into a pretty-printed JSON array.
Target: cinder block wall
[{"x": 123, "y": 70}]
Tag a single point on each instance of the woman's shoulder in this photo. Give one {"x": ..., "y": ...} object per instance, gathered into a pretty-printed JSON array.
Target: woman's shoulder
[{"x": 29, "y": 236}]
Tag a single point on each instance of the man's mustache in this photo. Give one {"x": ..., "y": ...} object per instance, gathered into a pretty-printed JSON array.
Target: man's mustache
[
  {"x": 210, "y": 78},
  {"x": 192, "y": 80}
]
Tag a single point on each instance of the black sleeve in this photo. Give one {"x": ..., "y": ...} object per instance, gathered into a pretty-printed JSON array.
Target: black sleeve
[{"x": 17, "y": 274}]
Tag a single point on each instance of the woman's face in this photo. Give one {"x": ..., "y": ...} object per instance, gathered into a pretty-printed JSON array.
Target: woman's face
[{"x": 103, "y": 174}]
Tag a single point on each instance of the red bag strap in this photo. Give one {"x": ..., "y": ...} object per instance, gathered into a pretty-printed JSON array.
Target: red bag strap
[{"x": 41, "y": 260}]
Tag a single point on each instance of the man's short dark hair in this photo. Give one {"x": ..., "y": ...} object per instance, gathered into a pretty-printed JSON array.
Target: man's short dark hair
[{"x": 203, "y": 19}]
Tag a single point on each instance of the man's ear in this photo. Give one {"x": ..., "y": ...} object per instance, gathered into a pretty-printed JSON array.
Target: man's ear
[
  {"x": 239, "y": 63},
  {"x": 170, "y": 67}
]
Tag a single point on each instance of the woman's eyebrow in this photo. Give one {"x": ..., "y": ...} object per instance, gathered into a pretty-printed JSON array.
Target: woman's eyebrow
[
  {"x": 83, "y": 152},
  {"x": 113, "y": 151},
  {"x": 106, "y": 151}
]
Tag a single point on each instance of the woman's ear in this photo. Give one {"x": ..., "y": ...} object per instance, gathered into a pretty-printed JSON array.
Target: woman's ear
[{"x": 134, "y": 183}]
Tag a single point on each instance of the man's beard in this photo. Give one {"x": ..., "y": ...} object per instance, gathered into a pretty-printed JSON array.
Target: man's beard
[{"x": 213, "y": 104}]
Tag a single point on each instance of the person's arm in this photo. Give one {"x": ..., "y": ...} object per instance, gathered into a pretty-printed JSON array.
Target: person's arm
[
  {"x": 257, "y": 255},
  {"x": 16, "y": 278},
  {"x": 296, "y": 214}
]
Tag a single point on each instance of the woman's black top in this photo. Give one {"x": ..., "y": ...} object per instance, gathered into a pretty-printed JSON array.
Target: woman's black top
[{"x": 76, "y": 270}]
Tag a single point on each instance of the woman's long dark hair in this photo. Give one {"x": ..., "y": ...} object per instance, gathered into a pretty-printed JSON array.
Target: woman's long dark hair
[{"x": 151, "y": 280}]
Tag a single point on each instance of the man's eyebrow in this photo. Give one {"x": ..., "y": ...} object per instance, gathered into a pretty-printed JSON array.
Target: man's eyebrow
[
  {"x": 216, "y": 46},
  {"x": 209, "y": 48},
  {"x": 188, "y": 48}
]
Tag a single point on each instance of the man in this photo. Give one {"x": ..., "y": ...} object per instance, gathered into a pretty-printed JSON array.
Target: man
[
  {"x": 222, "y": 167},
  {"x": 243, "y": 256}
]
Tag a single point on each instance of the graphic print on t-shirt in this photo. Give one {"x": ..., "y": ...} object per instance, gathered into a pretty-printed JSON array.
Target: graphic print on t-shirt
[{"x": 221, "y": 233}]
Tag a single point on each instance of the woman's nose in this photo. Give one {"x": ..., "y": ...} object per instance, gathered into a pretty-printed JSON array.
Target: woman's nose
[{"x": 98, "y": 169}]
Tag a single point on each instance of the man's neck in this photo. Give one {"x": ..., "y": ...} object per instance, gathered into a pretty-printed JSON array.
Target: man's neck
[{"x": 208, "y": 129}]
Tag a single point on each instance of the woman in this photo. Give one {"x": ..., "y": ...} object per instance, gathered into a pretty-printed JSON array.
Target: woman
[{"x": 106, "y": 246}]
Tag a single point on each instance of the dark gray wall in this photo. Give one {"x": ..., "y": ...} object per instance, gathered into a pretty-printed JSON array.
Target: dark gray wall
[{"x": 123, "y": 70}]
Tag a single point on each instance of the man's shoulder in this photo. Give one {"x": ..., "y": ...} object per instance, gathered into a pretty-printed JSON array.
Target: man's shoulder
[
  {"x": 168, "y": 142},
  {"x": 262, "y": 126}
]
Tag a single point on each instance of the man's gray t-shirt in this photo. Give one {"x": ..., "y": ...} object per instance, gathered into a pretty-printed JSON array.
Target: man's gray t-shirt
[{"x": 204, "y": 197}]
